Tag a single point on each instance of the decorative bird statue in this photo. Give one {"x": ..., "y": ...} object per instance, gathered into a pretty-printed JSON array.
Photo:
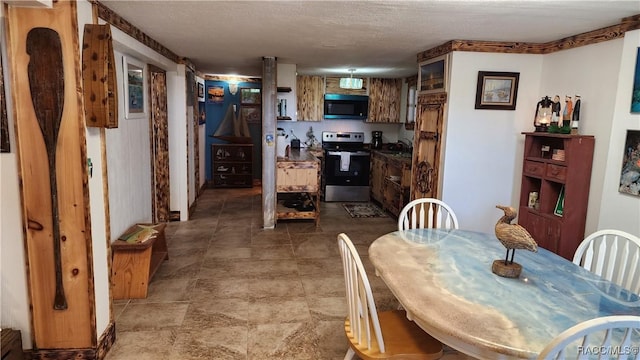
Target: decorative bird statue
[{"x": 513, "y": 236}]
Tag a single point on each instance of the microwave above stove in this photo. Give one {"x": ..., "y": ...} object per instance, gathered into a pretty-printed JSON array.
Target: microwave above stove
[{"x": 346, "y": 107}]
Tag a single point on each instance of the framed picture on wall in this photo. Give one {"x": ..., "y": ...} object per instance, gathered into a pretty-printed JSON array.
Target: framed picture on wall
[
  {"x": 4, "y": 124},
  {"x": 635, "y": 93},
  {"x": 134, "y": 75},
  {"x": 629, "y": 180},
  {"x": 497, "y": 90},
  {"x": 215, "y": 94},
  {"x": 200, "y": 91},
  {"x": 432, "y": 75},
  {"x": 251, "y": 114},
  {"x": 250, "y": 96}
]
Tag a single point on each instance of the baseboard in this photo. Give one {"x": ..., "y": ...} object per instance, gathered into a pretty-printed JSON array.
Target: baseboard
[{"x": 104, "y": 345}]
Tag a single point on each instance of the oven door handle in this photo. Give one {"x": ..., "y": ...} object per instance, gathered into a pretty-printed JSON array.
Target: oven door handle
[{"x": 352, "y": 153}]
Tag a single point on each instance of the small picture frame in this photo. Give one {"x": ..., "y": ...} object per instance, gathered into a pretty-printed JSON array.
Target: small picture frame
[
  {"x": 250, "y": 96},
  {"x": 497, "y": 90},
  {"x": 251, "y": 114},
  {"x": 629, "y": 181},
  {"x": 215, "y": 94},
  {"x": 432, "y": 75},
  {"x": 4, "y": 123},
  {"x": 200, "y": 91},
  {"x": 134, "y": 88}
]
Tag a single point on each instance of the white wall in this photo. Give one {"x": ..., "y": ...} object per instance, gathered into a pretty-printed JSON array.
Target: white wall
[
  {"x": 620, "y": 211},
  {"x": 591, "y": 72},
  {"x": 177, "y": 111},
  {"x": 128, "y": 164},
  {"x": 483, "y": 153},
  {"x": 97, "y": 206},
  {"x": 202, "y": 142}
]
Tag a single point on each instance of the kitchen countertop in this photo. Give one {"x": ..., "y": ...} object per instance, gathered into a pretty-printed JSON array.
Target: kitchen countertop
[
  {"x": 403, "y": 157},
  {"x": 299, "y": 155}
]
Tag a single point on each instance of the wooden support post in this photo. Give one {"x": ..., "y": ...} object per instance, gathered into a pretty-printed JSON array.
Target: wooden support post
[{"x": 269, "y": 89}]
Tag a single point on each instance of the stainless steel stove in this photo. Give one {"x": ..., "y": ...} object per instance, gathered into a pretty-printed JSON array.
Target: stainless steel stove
[{"x": 345, "y": 173}]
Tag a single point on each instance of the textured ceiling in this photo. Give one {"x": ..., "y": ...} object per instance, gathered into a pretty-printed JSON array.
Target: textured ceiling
[{"x": 377, "y": 38}]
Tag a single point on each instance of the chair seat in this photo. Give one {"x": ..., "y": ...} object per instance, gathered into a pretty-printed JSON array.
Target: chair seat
[{"x": 403, "y": 339}]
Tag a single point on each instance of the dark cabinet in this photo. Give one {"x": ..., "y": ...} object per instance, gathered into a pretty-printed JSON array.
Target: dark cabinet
[
  {"x": 231, "y": 165},
  {"x": 556, "y": 176}
]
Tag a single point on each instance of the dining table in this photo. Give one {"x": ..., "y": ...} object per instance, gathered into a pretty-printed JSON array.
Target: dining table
[{"x": 443, "y": 279}]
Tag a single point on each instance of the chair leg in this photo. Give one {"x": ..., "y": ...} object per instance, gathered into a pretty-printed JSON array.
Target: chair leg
[{"x": 350, "y": 354}]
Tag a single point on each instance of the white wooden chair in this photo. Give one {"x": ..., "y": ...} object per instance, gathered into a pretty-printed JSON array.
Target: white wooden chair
[
  {"x": 427, "y": 213},
  {"x": 616, "y": 336},
  {"x": 365, "y": 326},
  {"x": 613, "y": 255}
]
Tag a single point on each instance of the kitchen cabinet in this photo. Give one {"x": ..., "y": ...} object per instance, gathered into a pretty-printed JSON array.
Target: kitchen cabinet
[
  {"x": 556, "y": 175},
  {"x": 384, "y": 100},
  {"x": 297, "y": 174},
  {"x": 378, "y": 167},
  {"x": 310, "y": 97},
  {"x": 390, "y": 179},
  {"x": 231, "y": 165}
]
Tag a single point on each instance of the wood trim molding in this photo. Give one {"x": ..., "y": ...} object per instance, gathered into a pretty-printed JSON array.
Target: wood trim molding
[
  {"x": 591, "y": 37},
  {"x": 105, "y": 343},
  {"x": 128, "y": 28},
  {"x": 230, "y": 78}
]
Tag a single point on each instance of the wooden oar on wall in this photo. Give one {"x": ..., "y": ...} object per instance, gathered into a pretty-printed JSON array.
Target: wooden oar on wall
[{"x": 46, "y": 82}]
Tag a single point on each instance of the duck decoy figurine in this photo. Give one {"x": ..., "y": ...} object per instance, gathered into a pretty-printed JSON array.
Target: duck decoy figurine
[{"x": 512, "y": 236}]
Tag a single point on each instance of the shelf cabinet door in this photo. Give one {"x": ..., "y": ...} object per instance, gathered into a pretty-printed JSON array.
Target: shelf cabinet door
[
  {"x": 377, "y": 178},
  {"x": 545, "y": 231},
  {"x": 310, "y": 98},
  {"x": 384, "y": 100}
]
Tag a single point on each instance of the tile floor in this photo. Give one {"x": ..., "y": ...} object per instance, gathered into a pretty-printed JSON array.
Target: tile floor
[{"x": 232, "y": 290}]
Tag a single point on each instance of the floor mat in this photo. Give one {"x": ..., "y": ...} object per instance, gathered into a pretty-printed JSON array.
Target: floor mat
[{"x": 364, "y": 210}]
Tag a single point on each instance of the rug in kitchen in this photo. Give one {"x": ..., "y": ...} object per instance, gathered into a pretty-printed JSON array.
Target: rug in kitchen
[{"x": 364, "y": 210}]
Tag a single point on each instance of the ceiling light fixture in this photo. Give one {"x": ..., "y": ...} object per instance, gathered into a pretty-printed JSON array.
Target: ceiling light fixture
[{"x": 350, "y": 82}]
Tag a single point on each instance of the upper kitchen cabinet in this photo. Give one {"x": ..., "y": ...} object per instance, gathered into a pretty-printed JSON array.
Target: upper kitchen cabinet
[
  {"x": 286, "y": 81},
  {"x": 310, "y": 97},
  {"x": 384, "y": 100}
]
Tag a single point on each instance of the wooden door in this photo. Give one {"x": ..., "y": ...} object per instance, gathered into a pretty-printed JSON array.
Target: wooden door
[
  {"x": 159, "y": 145},
  {"x": 427, "y": 145}
]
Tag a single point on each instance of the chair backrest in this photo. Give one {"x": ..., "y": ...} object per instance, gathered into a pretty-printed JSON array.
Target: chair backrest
[
  {"x": 363, "y": 316},
  {"x": 610, "y": 335},
  {"x": 613, "y": 255},
  {"x": 427, "y": 213}
]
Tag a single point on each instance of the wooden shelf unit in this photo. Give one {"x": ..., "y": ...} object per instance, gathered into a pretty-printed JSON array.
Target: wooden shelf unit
[
  {"x": 134, "y": 264},
  {"x": 299, "y": 173},
  {"x": 232, "y": 165},
  {"x": 549, "y": 177}
]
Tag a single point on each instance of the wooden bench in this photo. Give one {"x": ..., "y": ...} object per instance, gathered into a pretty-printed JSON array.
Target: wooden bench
[{"x": 134, "y": 264}]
